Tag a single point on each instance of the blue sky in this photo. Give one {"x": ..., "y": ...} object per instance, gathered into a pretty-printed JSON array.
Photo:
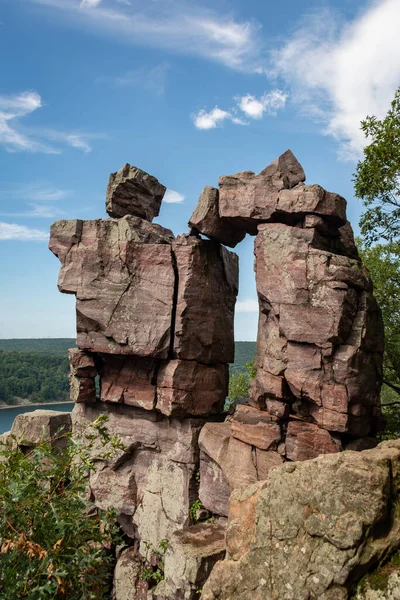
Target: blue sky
[{"x": 185, "y": 90}]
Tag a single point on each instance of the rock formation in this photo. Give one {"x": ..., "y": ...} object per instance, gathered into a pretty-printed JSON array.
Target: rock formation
[
  {"x": 320, "y": 333},
  {"x": 312, "y": 529},
  {"x": 155, "y": 337}
]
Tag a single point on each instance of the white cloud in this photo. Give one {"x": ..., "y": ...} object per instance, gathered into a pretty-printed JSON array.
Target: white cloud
[
  {"x": 246, "y": 306},
  {"x": 16, "y": 138},
  {"x": 340, "y": 72},
  {"x": 210, "y": 120},
  {"x": 173, "y": 197},
  {"x": 269, "y": 103},
  {"x": 255, "y": 108},
  {"x": 178, "y": 25},
  {"x": 12, "y": 231}
]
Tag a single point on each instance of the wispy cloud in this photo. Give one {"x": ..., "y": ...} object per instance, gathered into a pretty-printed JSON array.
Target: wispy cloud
[
  {"x": 38, "y": 198},
  {"x": 41, "y": 211},
  {"x": 339, "y": 72},
  {"x": 16, "y": 138},
  {"x": 269, "y": 103},
  {"x": 35, "y": 192},
  {"x": 246, "y": 306},
  {"x": 173, "y": 197},
  {"x": 178, "y": 25},
  {"x": 12, "y": 231},
  {"x": 252, "y": 107},
  {"x": 152, "y": 79},
  {"x": 90, "y": 3}
]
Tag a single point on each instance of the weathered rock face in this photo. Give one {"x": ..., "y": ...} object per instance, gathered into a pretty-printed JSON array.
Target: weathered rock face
[
  {"x": 186, "y": 387},
  {"x": 131, "y": 191},
  {"x": 31, "y": 428},
  {"x": 312, "y": 529},
  {"x": 236, "y": 453},
  {"x": 122, "y": 274},
  {"x": 190, "y": 557},
  {"x": 207, "y": 221},
  {"x": 82, "y": 376},
  {"x": 128, "y": 380},
  {"x": 151, "y": 484},
  {"x": 318, "y": 321},
  {"x": 248, "y": 199},
  {"x": 208, "y": 286}
]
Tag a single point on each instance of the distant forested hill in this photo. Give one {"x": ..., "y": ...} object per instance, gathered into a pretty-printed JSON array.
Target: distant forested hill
[
  {"x": 40, "y": 345},
  {"x": 37, "y": 369},
  {"x": 244, "y": 353}
]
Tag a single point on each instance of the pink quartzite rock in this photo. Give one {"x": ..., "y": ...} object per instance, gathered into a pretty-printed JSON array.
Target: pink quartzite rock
[
  {"x": 122, "y": 273},
  {"x": 207, "y": 221},
  {"x": 129, "y": 380},
  {"x": 82, "y": 375},
  {"x": 319, "y": 347},
  {"x": 131, "y": 191},
  {"x": 207, "y": 289},
  {"x": 305, "y": 441},
  {"x": 186, "y": 387},
  {"x": 248, "y": 199}
]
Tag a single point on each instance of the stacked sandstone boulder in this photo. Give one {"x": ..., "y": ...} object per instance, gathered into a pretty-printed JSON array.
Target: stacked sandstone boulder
[{"x": 155, "y": 336}]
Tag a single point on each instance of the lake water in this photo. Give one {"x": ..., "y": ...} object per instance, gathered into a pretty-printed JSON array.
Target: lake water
[{"x": 7, "y": 415}]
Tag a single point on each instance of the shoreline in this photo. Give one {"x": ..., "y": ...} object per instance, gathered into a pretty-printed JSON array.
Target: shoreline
[{"x": 34, "y": 405}]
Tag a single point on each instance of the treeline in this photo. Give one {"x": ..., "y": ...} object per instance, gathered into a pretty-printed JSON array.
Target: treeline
[
  {"x": 41, "y": 345},
  {"x": 33, "y": 376}
]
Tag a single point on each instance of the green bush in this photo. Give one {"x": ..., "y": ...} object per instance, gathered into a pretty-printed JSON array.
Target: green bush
[
  {"x": 239, "y": 385},
  {"x": 53, "y": 542}
]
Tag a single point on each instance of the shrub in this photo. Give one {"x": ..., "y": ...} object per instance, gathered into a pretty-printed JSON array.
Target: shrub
[
  {"x": 53, "y": 542},
  {"x": 239, "y": 385}
]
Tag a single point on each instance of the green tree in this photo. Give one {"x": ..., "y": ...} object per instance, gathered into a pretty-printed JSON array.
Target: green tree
[
  {"x": 383, "y": 263},
  {"x": 377, "y": 177}
]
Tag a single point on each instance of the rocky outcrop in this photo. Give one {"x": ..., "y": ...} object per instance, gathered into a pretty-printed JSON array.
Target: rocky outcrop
[
  {"x": 311, "y": 529},
  {"x": 131, "y": 191},
  {"x": 246, "y": 199},
  {"x": 30, "y": 428},
  {"x": 190, "y": 557},
  {"x": 155, "y": 336}
]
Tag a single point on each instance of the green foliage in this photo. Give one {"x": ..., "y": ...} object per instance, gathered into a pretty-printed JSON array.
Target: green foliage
[
  {"x": 152, "y": 568},
  {"x": 377, "y": 177},
  {"x": 33, "y": 376},
  {"x": 53, "y": 542},
  {"x": 194, "y": 508},
  {"x": 239, "y": 384},
  {"x": 383, "y": 263}
]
